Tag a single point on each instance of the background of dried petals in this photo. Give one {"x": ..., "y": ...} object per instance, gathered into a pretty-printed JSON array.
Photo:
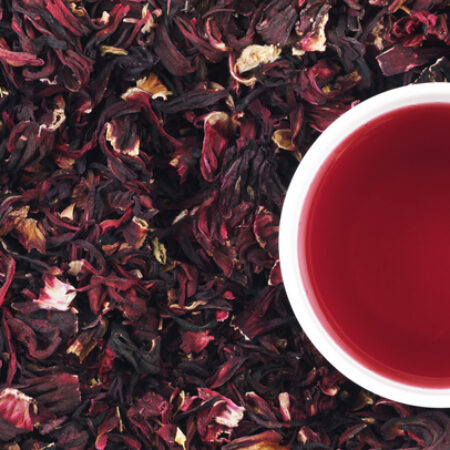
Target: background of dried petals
[{"x": 145, "y": 149}]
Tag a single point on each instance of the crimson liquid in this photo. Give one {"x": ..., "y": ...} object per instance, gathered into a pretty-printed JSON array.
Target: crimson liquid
[{"x": 376, "y": 241}]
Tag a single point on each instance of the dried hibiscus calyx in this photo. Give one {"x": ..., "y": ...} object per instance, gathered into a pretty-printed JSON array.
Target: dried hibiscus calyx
[
  {"x": 254, "y": 55},
  {"x": 124, "y": 348},
  {"x": 145, "y": 152},
  {"x": 56, "y": 294},
  {"x": 18, "y": 413},
  {"x": 310, "y": 27},
  {"x": 217, "y": 416},
  {"x": 27, "y": 229}
]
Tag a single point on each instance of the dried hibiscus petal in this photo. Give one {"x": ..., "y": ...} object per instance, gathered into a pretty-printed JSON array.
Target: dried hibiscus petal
[
  {"x": 195, "y": 341},
  {"x": 59, "y": 393},
  {"x": 311, "y": 27},
  {"x": 174, "y": 61},
  {"x": 277, "y": 21},
  {"x": 56, "y": 294},
  {"x": 145, "y": 152},
  {"x": 254, "y": 55},
  {"x": 215, "y": 424},
  {"x": 125, "y": 349},
  {"x": 399, "y": 59},
  {"x": 261, "y": 441},
  {"x": 218, "y": 128},
  {"x": 17, "y": 413}
]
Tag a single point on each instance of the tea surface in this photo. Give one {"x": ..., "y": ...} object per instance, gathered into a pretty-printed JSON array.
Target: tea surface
[{"x": 376, "y": 241}]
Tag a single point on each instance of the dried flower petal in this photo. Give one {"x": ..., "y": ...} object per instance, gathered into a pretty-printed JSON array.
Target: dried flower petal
[
  {"x": 109, "y": 49},
  {"x": 311, "y": 26},
  {"x": 171, "y": 434},
  {"x": 16, "y": 413},
  {"x": 283, "y": 398},
  {"x": 195, "y": 341},
  {"x": 218, "y": 128},
  {"x": 59, "y": 392},
  {"x": 215, "y": 424},
  {"x": 30, "y": 235},
  {"x": 174, "y": 61},
  {"x": 283, "y": 139},
  {"x": 159, "y": 251},
  {"x": 56, "y": 294},
  {"x": 277, "y": 22},
  {"x": 399, "y": 59},
  {"x": 266, "y": 440},
  {"x": 154, "y": 86},
  {"x": 145, "y": 150},
  {"x": 16, "y": 408},
  {"x": 68, "y": 212},
  {"x": 255, "y": 55}
]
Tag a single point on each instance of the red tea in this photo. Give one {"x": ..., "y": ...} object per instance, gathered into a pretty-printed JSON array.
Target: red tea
[{"x": 376, "y": 241}]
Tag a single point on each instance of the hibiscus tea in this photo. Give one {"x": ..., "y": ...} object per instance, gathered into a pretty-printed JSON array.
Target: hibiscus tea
[{"x": 376, "y": 241}]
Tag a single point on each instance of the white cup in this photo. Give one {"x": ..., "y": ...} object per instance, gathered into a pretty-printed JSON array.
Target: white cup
[{"x": 295, "y": 203}]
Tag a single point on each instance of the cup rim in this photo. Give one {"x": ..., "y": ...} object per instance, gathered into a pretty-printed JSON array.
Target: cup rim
[{"x": 294, "y": 203}]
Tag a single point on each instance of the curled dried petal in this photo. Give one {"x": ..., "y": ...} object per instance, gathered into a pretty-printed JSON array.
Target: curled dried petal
[
  {"x": 283, "y": 139},
  {"x": 30, "y": 235},
  {"x": 153, "y": 85},
  {"x": 255, "y": 55}
]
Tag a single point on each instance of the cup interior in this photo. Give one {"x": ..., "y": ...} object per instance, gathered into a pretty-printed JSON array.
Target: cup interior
[{"x": 296, "y": 204}]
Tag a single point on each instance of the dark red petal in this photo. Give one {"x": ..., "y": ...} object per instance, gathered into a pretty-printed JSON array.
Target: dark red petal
[
  {"x": 195, "y": 341},
  {"x": 225, "y": 372}
]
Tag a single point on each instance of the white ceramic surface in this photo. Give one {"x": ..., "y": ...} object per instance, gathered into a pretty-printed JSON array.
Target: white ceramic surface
[{"x": 293, "y": 205}]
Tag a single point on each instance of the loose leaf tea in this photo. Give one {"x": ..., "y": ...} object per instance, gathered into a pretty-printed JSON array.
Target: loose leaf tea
[{"x": 145, "y": 151}]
